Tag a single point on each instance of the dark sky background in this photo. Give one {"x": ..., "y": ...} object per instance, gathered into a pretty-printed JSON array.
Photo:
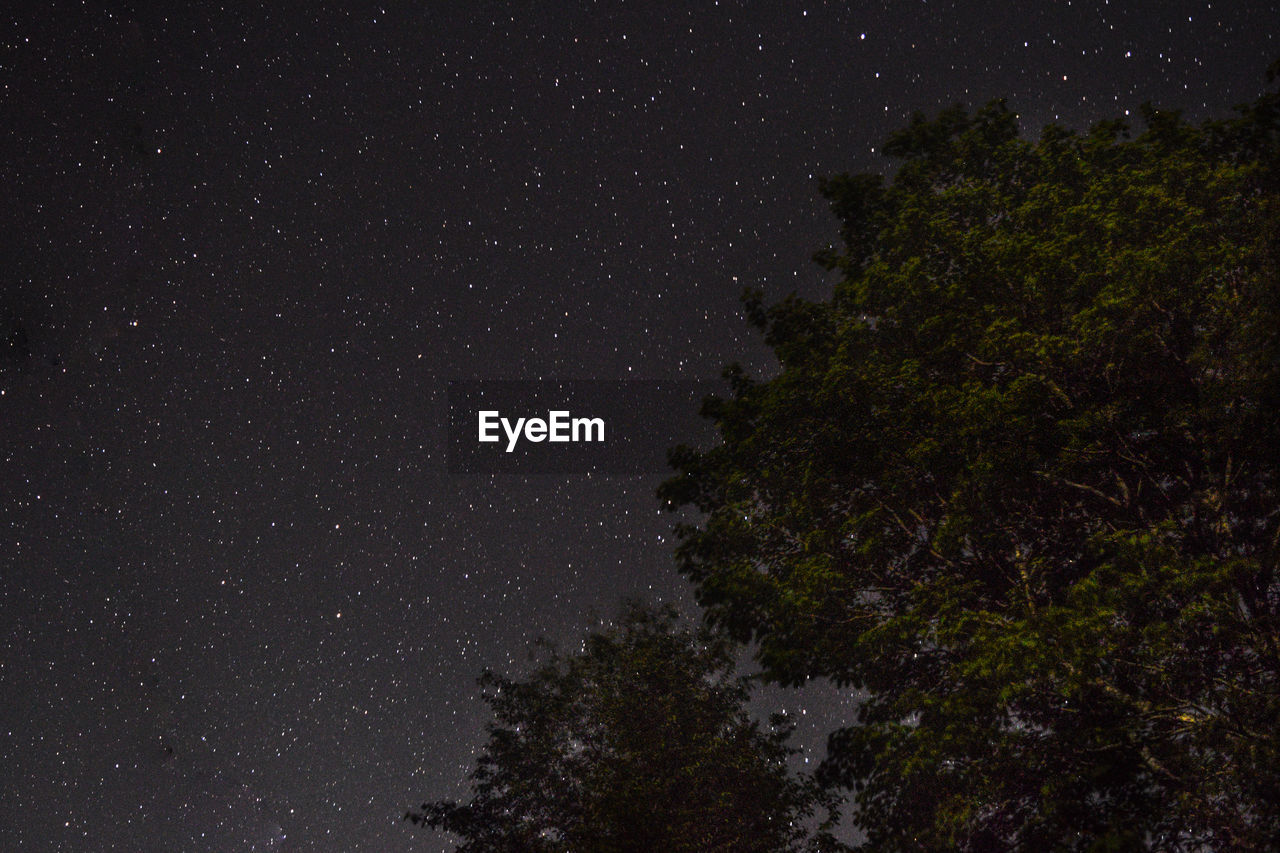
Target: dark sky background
[{"x": 242, "y": 604}]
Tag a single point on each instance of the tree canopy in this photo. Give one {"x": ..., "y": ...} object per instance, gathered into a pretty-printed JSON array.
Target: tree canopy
[
  {"x": 640, "y": 742},
  {"x": 1019, "y": 481}
]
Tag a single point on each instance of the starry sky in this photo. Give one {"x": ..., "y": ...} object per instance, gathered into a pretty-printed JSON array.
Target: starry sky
[{"x": 243, "y": 602}]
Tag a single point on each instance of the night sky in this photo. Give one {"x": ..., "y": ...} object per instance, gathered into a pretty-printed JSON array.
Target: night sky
[{"x": 243, "y": 603}]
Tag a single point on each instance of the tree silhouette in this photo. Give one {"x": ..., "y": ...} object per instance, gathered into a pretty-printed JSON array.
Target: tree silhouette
[{"x": 640, "y": 742}]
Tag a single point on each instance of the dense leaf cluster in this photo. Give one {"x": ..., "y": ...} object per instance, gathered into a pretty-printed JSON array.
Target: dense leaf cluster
[
  {"x": 640, "y": 742},
  {"x": 1019, "y": 480}
]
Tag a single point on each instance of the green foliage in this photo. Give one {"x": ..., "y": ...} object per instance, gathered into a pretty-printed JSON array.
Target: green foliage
[
  {"x": 1019, "y": 480},
  {"x": 638, "y": 743}
]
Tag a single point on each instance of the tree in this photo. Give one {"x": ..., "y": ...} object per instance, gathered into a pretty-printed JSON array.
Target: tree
[
  {"x": 639, "y": 743},
  {"x": 1019, "y": 481}
]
